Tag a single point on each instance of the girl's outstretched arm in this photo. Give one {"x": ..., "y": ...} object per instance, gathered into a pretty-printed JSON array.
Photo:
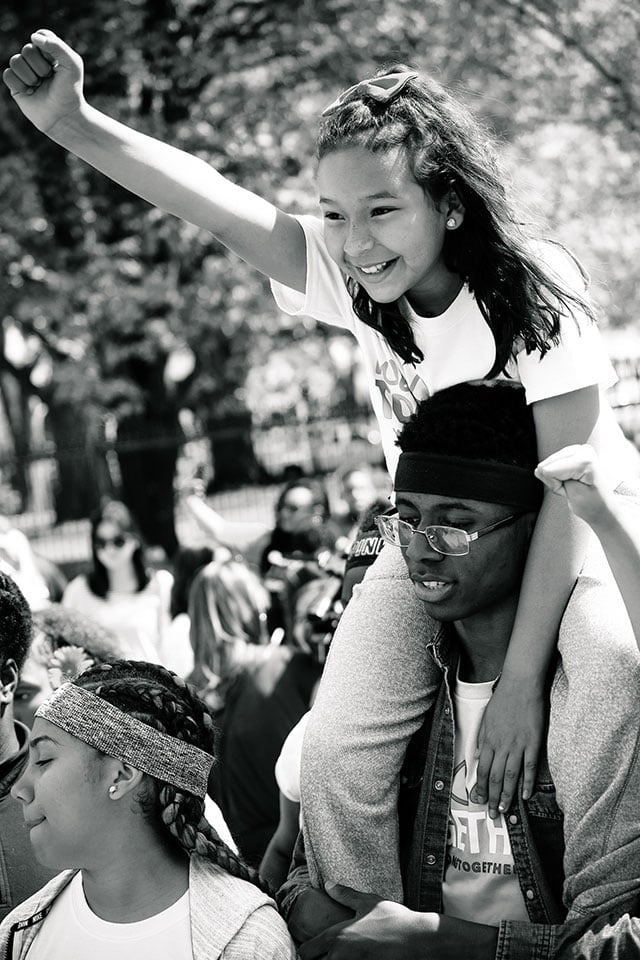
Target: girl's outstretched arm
[
  {"x": 46, "y": 81},
  {"x": 576, "y": 473},
  {"x": 513, "y": 723}
]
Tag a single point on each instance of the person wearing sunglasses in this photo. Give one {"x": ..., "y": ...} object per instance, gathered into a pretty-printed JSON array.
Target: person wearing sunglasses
[
  {"x": 556, "y": 876},
  {"x": 420, "y": 252},
  {"x": 121, "y": 592}
]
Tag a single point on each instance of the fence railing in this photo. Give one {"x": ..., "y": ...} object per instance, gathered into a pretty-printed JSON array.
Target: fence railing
[{"x": 317, "y": 448}]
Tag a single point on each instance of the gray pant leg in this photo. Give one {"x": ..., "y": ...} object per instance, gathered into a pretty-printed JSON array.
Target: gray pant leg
[{"x": 377, "y": 685}]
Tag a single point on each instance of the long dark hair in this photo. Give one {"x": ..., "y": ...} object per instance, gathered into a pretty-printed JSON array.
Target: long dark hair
[
  {"x": 115, "y": 512},
  {"x": 448, "y": 150},
  {"x": 164, "y": 701}
]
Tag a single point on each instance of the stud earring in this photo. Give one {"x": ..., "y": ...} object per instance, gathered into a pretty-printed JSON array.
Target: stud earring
[
  {"x": 112, "y": 790},
  {"x": 451, "y": 223}
]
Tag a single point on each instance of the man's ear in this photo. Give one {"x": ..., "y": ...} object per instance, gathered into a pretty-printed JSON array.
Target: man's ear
[{"x": 8, "y": 681}]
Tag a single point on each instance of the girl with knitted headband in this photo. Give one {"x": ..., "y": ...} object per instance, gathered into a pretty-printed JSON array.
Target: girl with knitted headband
[
  {"x": 115, "y": 790},
  {"x": 420, "y": 253}
]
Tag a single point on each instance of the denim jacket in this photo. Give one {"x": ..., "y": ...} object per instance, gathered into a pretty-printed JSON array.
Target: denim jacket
[
  {"x": 535, "y": 831},
  {"x": 534, "y": 826}
]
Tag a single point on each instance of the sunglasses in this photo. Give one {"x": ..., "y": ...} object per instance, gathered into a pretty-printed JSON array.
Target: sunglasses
[
  {"x": 103, "y": 542},
  {"x": 382, "y": 89},
  {"x": 451, "y": 541}
]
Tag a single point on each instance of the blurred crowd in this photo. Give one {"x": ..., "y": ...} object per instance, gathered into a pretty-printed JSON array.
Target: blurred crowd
[{"x": 247, "y": 619}]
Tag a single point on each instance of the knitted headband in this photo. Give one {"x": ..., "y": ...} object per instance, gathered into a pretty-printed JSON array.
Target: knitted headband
[
  {"x": 112, "y": 731},
  {"x": 470, "y": 479}
]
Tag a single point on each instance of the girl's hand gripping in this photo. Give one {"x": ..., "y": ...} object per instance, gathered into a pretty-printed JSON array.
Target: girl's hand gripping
[
  {"x": 45, "y": 80},
  {"x": 508, "y": 741}
]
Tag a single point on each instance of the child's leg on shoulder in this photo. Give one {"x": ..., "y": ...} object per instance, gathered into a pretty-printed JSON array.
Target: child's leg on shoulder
[
  {"x": 377, "y": 685},
  {"x": 594, "y": 737}
]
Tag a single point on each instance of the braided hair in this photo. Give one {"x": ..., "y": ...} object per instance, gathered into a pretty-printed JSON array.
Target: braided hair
[{"x": 161, "y": 699}]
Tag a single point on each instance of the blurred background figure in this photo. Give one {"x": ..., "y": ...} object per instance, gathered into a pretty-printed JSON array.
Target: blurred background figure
[
  {"x": 358, "y": 490},
  {"x": 227, "y": 625},
  {"x": 316, "y": 622},
  {"x": 302, "y": 525},
  {"x": 39, "y": 580},
  {"x": 299, "y": 545},
  {"x": 65, "y": 642},
  {"x": 264, "y": 701},
  {"x": 187, "y": 562},
  {"x": 121, "y": 592}
]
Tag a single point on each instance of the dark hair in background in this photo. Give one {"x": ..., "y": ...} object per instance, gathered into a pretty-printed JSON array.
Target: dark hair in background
[
  {"x": 16, "y": 628},
  {"x": 448, "y": 150},
  {"x": 115, "y": 512},
  {"x": 186, "y": 564},
  {"x": 227, "y": 613},
  {"x": 483, "y": 420},
  {"x": 162, "y": 700}
]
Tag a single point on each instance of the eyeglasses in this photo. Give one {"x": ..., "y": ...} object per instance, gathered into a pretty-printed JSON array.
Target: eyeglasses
[
  {"x": 103, "y": 542},
  {"x": 451, "y": 541},
  {"x": 383, "y": 89}
]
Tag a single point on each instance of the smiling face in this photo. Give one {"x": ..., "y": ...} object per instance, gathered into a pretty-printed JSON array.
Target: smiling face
[
  {"x": 382, "y": 228},
  {"x": 64, "y": 795},
  {"x": 480, "y": 586}
]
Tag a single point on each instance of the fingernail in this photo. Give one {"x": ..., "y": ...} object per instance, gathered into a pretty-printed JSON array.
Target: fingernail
[
  {"x": 501, "y": 807},
  {"x": 493, "y": 813},
  {"x": 525, "y": 794}
]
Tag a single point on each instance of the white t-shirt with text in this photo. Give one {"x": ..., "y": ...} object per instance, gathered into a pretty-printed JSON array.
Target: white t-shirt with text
[
  {"x": 480, "y": 882},
  {"x": 458, "y": 345}
]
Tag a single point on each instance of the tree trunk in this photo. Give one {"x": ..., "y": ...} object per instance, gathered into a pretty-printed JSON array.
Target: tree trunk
[
  {"x": 83, "y": 478},
  {"x": 147, "y": 454},
  {"x": 234, "y": 460}
]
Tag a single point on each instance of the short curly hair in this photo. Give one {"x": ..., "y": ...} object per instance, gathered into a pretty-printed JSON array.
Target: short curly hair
[
  {"x": 483, "y": 420},
  {"x": 16, "y": 625},
  {"x": 64, "y": 627}
]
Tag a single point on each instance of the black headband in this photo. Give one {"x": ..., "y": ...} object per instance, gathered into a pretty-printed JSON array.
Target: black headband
[{"x": 482, "y": 480}]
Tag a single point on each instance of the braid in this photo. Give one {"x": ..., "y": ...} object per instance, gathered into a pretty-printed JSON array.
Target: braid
[
  {"x": 164, "y": 701},
  {"x": 183, "y": 815}
]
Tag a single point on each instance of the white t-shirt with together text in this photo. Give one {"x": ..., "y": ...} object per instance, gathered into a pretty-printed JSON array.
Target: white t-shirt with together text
[{"x": 480, "y": 881}]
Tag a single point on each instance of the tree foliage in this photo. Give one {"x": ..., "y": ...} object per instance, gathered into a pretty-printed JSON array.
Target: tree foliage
[{"x": 131, "y": 313}]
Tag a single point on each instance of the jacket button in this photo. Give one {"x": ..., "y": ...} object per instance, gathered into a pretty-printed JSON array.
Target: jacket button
[
  {"x": 530, "y": 894},
  {"x": 439, "y": 785},
  {"x": 431, "y": 859},
  {"x": 447, "y": 711},
  {"x": 513, "y": 818}
]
